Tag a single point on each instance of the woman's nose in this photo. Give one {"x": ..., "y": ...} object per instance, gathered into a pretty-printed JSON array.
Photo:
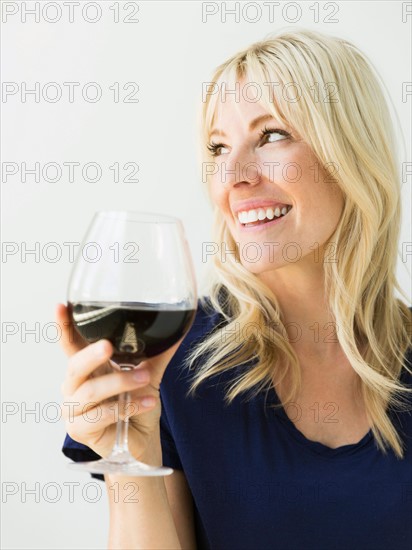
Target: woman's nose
[{"x": 240, "y": 167}]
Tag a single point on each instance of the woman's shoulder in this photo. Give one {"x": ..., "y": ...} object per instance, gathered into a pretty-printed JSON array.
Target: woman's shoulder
[{"x": 207, "y": 319}]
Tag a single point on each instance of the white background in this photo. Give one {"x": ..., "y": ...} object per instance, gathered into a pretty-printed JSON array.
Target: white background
[{"x": 168, "y": 53}]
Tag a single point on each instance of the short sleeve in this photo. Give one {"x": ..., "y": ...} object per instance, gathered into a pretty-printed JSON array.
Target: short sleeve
[
  {"x": 80, "y": 453},
  {"x": 170, "y": 456}
]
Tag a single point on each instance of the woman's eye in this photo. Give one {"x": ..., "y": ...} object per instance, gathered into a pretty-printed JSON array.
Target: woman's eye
[
  {"x": 267, "y": 135},
  {"x": 216, "y": 149},
  {"x": 270, "y": 135}
]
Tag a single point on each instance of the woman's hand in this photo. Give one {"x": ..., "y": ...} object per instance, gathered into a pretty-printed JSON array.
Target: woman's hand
[{"x": 91, "y": 387}]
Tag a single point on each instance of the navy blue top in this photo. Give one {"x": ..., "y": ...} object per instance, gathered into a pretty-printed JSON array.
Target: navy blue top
[{"x": 258, "y": 483}]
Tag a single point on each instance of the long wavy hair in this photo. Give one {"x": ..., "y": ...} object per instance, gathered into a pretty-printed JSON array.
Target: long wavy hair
[{"x": 343, "y": 115}]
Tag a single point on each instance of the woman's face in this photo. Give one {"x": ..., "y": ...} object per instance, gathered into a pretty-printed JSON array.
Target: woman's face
[{"x": 263, "y": 167}]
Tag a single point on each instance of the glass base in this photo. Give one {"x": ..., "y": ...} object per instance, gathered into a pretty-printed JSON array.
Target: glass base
[{"x": 121, "y": 466}]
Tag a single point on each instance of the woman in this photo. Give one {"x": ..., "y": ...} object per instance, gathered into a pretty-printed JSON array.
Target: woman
[{"x": 285, "y": 409}]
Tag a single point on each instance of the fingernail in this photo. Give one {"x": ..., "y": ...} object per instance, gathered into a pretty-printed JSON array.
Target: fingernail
[
  {"x": 101, "y": 349},
  {"x": 141, "y": 376}
]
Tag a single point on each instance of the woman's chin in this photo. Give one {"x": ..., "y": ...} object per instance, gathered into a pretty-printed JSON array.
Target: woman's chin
[{"x": 262, "y": 265}]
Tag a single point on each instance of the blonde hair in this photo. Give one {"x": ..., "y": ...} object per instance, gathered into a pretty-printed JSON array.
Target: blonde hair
[{"x": 356, "y": 133}]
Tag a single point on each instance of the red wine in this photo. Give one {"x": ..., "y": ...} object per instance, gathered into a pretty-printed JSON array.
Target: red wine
[{"x": 137, "y": 331}]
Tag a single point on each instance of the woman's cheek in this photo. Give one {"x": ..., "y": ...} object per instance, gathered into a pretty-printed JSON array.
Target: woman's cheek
[
  {"x": 274, "y": 165},
  {"x": 214, "y": 191}
]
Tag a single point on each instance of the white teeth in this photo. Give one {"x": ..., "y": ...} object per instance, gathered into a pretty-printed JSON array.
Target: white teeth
[
  {"x": 261, "y": 214},
  {"x": 243, "y": 217},
  {"x": 251, "y": 216}
]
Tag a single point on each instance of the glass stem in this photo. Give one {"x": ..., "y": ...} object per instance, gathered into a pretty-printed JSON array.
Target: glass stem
[{"x": 121, "y": 446}]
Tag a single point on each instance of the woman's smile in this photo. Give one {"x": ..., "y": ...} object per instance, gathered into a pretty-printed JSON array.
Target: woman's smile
[{"x": 262, "y": 219}]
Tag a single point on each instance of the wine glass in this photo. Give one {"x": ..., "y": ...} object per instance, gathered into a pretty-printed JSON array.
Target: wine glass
[{"x": 132, "y": 283}]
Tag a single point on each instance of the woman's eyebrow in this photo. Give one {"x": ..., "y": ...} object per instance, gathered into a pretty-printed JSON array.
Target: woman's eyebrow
[
  {"x": 252, "y": 125},
  {"x": 256, "y": 121}
]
